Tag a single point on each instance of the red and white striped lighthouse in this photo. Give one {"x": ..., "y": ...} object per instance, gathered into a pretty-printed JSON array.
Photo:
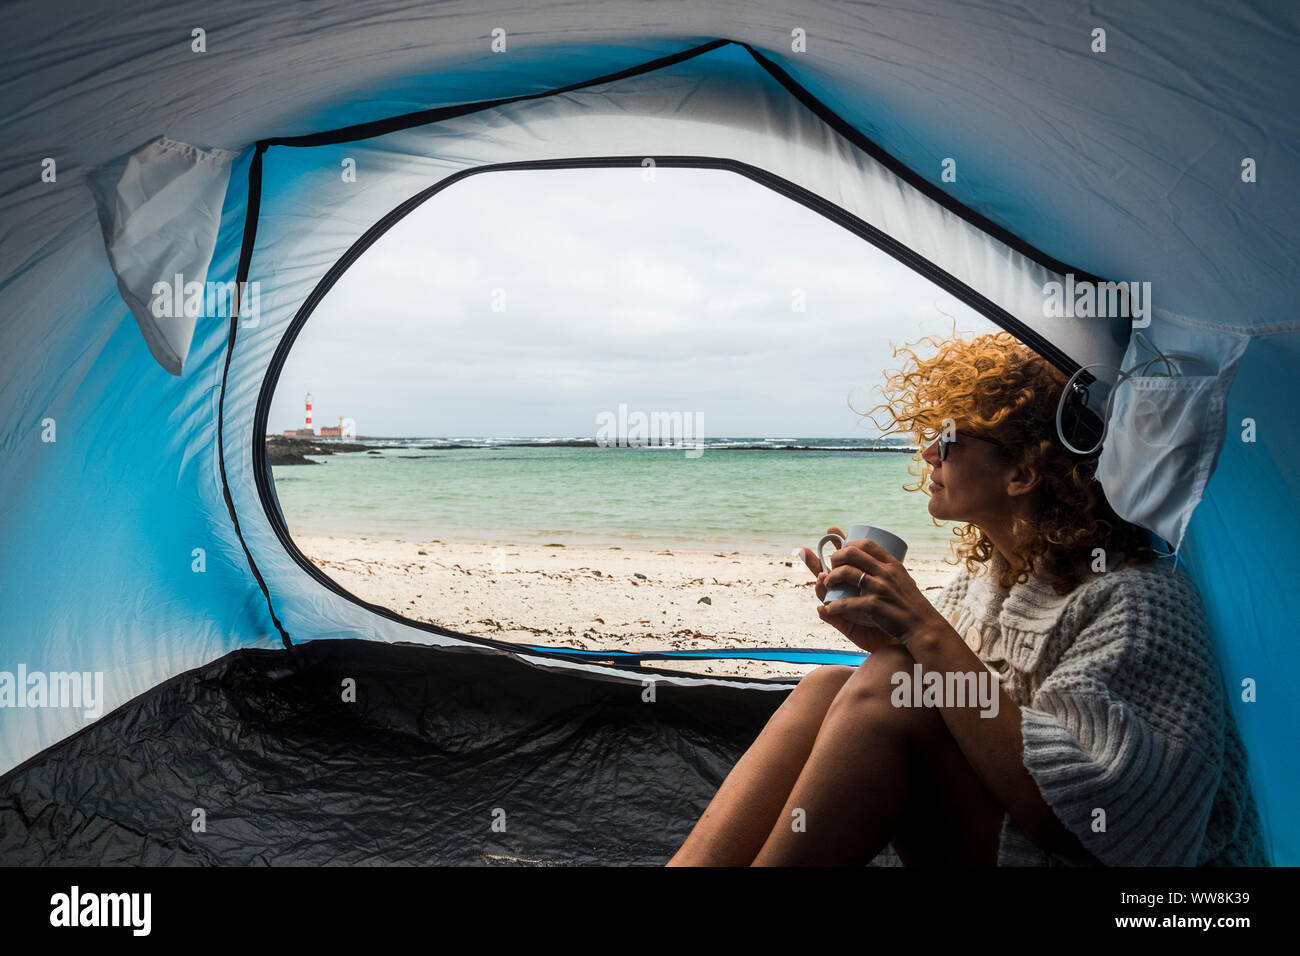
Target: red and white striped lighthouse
[{"x": 309, "y": 428}]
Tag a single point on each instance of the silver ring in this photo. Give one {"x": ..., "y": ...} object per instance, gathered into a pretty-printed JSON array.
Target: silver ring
[{"x": 861, "y": 579}]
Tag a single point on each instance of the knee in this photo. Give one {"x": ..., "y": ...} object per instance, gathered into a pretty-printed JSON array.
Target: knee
[
  {"x": 876, "y": 676},
  {"x": 817, "y": 688},
  {"x": 871, "y": 690},
  {"x": 826, "y": 677}
]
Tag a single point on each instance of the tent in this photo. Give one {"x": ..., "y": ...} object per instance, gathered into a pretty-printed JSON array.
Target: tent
[{"x": 995, "y": 148}]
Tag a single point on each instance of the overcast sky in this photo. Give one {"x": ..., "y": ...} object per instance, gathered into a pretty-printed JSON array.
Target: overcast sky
[{"x": 672, "y": 295}]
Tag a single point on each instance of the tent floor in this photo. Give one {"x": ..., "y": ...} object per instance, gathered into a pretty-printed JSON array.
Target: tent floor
[{"x": 447, "y": 756}]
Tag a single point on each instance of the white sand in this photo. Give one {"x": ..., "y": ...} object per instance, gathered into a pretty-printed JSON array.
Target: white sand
[{"x": 603, "y": 598}]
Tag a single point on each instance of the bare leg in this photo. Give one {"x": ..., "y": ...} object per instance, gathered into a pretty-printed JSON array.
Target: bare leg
[
  {"x": 745, "y": 808},
  {"x": 950, "y": 819},
  {"x": 879, "y": 772}
]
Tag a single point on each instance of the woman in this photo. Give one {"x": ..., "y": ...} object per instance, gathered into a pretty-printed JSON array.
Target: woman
[{"x": 1111, "y": 742}]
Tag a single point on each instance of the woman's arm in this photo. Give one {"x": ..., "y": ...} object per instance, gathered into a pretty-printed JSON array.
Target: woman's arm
[
  {"x": 1129, "y": 720},
  {"x": 992, "y": 745}
]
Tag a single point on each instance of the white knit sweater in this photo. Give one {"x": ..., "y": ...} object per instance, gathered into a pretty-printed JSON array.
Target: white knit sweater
[{"x": 1122, "y": 709}]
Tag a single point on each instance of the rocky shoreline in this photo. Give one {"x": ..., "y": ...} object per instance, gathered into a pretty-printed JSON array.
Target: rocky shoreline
[{"x": 293, "y": 451}]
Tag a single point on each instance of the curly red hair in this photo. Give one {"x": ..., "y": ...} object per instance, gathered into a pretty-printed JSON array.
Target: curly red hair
[{"x": 999, "y": 386}]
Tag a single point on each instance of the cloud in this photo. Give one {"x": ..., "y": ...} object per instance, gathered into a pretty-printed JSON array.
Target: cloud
[{"x": 677, "y": 295}]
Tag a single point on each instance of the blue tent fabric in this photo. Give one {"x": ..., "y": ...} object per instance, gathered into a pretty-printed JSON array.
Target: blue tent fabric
[{"x": 1126, "y": 164}]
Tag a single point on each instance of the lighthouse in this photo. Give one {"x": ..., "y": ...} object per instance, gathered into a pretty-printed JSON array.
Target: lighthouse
[{"x": 310, "y": 430}]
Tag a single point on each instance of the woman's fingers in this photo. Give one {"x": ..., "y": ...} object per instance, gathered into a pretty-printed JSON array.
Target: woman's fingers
[
  {"x": 858, "y": 579},
  {"x": 812, "y": 559},
  {"x": 851, "y": 556},
  {"x": 867, "y": 637},
  {"x": 845, "y": 576},
  {"x": 813, "y": 562}
]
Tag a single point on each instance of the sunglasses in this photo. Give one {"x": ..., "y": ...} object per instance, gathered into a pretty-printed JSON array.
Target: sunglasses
[{"x": 946, "y": 443}]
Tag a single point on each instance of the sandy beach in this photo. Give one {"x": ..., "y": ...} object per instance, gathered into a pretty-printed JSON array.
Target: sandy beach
[{"x": 562, "y": 594}]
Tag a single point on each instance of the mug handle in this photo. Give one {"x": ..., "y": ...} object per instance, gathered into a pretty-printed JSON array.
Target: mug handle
[{"x": 839, "y": 543}]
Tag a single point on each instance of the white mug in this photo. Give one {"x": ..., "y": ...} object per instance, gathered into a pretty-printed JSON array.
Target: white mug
[{"x": 893, "y": 544}]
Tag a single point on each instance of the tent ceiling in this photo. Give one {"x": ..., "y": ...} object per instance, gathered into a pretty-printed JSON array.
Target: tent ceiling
[{"x": 1124, "y": 163}]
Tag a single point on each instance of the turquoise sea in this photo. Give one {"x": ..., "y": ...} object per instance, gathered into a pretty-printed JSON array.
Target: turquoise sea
[{"x": 731, "y": 494}]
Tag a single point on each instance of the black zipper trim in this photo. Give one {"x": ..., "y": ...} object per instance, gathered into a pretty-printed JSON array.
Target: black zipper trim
[
  {"x": 828, "y": 116},
  {"x": 909, "y": 176},
  {"x": 886, "y": 243},
  {"x": 836, "y": 214},
  {"x": 245, "y": 257},
  {"x": 265, "y": 481},
  {"x": 392, "y": 124}
]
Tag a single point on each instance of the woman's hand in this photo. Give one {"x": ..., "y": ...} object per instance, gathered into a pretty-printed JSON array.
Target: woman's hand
[
  {"x": 890, "y": 608},
  {"x": 865, "y": 636}
]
